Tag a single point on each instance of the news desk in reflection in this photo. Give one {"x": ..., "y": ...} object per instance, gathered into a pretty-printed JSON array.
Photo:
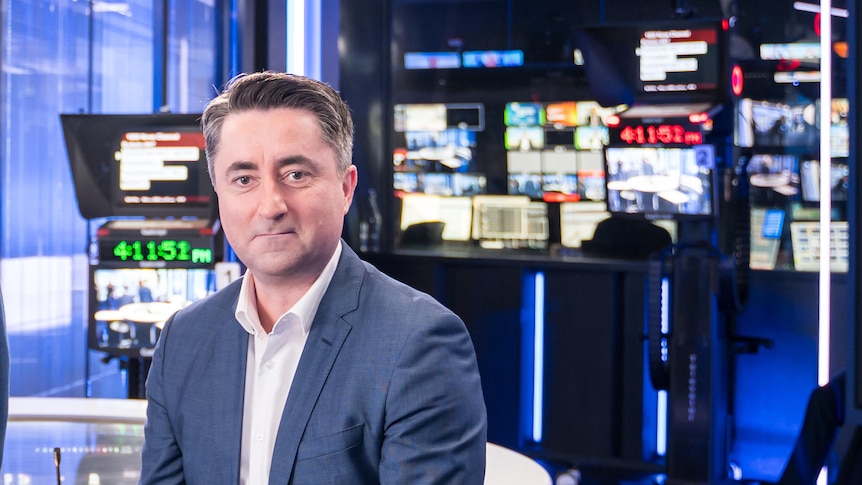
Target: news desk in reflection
[
  {"x": 129, "y": 320},
  {"x": 676, "y": 190},
  {"x": 100, "y": 442}
]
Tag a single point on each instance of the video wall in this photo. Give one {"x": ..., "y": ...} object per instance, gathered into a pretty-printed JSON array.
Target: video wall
[{"x": 489, "y": 169}]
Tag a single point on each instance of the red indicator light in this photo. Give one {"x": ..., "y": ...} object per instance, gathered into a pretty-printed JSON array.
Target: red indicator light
[
  {"x": 612, "y": 120},
  {"x": 736, "y": 76},
  {"x": 698, "y": 118}
]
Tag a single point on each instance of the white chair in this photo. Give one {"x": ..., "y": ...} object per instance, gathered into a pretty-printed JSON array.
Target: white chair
[{"x": 507, "y": 467}]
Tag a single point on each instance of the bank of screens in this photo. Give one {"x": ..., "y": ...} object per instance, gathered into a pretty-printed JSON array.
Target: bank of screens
[
  {"x": 553, "y": 149},
  {"x": 435, "y": 149}
]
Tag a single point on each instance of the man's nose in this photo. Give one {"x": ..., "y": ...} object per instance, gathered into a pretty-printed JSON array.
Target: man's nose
[{"x": 272, "y": 204}]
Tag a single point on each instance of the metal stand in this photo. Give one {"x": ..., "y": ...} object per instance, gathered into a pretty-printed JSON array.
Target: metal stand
[{"x": 697, "y": 365}]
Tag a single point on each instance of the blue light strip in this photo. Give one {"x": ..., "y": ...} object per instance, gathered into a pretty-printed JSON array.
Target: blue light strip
[
  {"x": 538, "y": 354},
  {"x": 661, "y": 404},
  {"x": 234, "y": 45},
  {"x": 661, "y": 424}
]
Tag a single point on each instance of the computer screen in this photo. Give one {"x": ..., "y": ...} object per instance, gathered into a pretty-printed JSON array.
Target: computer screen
[
  {"x": 150, "y": 165},
  {"x": 660, "y": 182},
  {"x": 454, "y": 212}
]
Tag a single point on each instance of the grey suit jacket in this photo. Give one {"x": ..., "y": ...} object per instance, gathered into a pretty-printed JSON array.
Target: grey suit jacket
[{"x": 387, "y": 391}]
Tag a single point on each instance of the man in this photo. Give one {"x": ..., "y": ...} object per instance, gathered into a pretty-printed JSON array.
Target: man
[{"x": 314, "y": 368}]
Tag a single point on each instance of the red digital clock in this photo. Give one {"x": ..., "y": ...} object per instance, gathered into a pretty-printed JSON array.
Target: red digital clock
[{"x": 656, "y": 134}]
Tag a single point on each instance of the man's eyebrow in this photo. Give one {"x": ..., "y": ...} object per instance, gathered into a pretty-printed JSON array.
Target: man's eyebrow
[
  {"x": 241, "y": 165},
  {"x": 294, "y": 160}
]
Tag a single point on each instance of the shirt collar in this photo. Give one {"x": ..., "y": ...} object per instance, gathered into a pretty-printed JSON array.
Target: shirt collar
[{"x": 305, "y": 309}]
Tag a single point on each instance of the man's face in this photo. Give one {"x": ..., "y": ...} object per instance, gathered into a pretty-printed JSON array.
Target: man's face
[{"x": 281, "y": 200}]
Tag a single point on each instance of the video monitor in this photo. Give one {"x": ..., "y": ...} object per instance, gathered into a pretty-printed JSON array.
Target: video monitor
[
  {"x": 455, "y": 212},
  {"x": 405, "y": 182},
  {"x": 660, "y": 182},
  {"x": 493, "y": 58},
  {"x": 777, "y": 124},
  {"x": 562, "y": 114},
  {"x": 773, "y": 179},
  {"x": 525, "y": 138},
  {"x": 150, "y": 165},
  {"x": 840, "y": 129},
  {"x": 675, "y": 61},
  {"x": 128, "y": 306},
  {"x": 560, "y": 176},
  {"x": 510, "y": 222},
  {"x": 810, "y": 180},
  {"x": 591, "y": 137},
  {"x": 524, "y": 114},
  {"x": 529, "y": 184},
  {"x": 560, "y": 138},
  {"x": 449, "y": 149}
]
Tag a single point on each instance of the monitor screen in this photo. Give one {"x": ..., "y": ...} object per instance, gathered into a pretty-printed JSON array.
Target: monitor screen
[
  {"x": 773, "y": 178},
  {"x": 777, "y": 124},
  {"x": 680, "y": 61},
  {"x": 150, "y": 165},
  {"x": 660, "y": 182},
  {"x": 128, "y": 306},
  {"x": 454, "y": 212},
  {"x": 810, "y": 181}
]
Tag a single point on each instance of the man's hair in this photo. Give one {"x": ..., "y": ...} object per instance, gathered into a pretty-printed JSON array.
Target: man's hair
[{"x": 272, "y": 90}]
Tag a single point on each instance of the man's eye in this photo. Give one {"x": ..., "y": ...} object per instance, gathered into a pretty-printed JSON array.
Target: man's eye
[
  {"x": 244, "y": 180},
  {"x": 295, "y": 176}
]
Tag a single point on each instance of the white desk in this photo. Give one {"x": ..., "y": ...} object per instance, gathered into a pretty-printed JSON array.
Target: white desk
[
  {"x": 101, "y": 439},
  {"x": 507, "y": 467}
]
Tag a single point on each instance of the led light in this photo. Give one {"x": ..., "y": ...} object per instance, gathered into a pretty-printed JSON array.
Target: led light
[{"x": 538, "y": 356}]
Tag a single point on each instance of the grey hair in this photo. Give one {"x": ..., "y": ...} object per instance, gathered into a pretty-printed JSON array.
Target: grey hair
[{"x": 271, "y": 90}]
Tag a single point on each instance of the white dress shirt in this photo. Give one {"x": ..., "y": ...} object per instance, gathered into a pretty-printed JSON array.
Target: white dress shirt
[{"x": 270, "y": 369}]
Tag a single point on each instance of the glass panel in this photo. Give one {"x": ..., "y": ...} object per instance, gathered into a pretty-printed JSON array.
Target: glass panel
[{"x": 68, "y": 59}]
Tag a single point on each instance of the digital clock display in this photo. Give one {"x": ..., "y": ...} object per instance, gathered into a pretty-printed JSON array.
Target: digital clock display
[
  {"x": 157, "y": 252},
  {"x": 656, "y": 134}
]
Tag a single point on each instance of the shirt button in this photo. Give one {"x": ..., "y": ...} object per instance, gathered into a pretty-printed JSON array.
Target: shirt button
[
  {"x": 270, "y": 364},
  {"x": 259, "y": 436}
]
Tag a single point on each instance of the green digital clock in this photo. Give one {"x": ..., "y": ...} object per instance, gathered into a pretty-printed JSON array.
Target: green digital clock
[{"x": 157, "y": 252}]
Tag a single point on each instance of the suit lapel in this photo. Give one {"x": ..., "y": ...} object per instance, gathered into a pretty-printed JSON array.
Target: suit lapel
[
  {"x": 327, "y": 335},
  {"x": 232, "y": 350}
]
